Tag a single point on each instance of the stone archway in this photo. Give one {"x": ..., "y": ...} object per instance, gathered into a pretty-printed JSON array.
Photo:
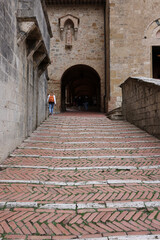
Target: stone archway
[{"x": 78, "y": 82}]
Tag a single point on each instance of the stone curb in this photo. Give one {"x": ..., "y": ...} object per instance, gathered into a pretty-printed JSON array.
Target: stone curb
[
  {"x": 136, "y": 237},
  {"x": 83, "y": 168},
  {"x": 83, "y": 157},
  {"x": 78, "y": 206},
  {"x": 109, "y": 137},
  {"x": 21, "y": 204},
  {"x": 68, "y": 143},
  {"x": 108, "y": 127},
  {"x": 108, "y": 131},
  {"x": 82, "y": 183},
  {"x": 85, "y": 149}
]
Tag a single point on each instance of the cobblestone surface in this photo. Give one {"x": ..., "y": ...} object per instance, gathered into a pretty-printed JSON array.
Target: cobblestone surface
[{"x": 82, "y": 163}]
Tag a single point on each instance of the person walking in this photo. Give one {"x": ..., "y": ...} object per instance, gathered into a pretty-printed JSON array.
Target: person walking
[
  {"x": 52, "y": 101},
  {"x": 86, "y": 103}
]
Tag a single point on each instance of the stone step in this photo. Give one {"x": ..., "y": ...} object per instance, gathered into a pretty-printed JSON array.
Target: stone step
[
  {"x": 115, "y": 114},
  {"x": 82, "y": 178}
]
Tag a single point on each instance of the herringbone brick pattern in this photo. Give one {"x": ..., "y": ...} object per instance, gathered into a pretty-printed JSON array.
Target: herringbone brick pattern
[
  {"x": 81, "y": 175},
  {"x": 82, "y": 159},
  {"x": 69, "y": 223},
  {"x": 82, "y": 153},
  {"x": 92, "y": 162},
  {"x": 100, "y": 194},
  {"x": 99, "y": 144}
]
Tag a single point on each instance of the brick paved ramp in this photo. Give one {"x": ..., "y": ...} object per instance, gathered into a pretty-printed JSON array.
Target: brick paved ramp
[{"x": 82, "y": 176}]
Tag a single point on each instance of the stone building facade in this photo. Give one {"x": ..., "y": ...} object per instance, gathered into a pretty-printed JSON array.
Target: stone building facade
[
  {"x": 114, "y": 39},
  {"x": 76, "y": 68},
  {"x": 134, "y": 34},
  {"x": 24, "y": 57}
]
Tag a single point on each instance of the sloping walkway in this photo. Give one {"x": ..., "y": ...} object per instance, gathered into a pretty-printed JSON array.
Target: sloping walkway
[{"x": 82, "y": 176}]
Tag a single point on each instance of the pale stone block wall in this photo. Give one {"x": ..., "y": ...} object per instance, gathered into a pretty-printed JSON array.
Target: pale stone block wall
[
  {"x": 11, "y": 121},
  {"x": 42, "y": 99},
  {"x": 130, "y": 51},
  {"x": 19, "y": 85},
  {"x": 88, "y": 49},
  {"x": 33, "y": 9},
  {"x": 141, "y": 103}
]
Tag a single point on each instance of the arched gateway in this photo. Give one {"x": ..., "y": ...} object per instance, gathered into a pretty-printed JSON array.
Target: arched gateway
[
  {"x": 80, "y": 82},
  {"x": 78, "y": 53}
]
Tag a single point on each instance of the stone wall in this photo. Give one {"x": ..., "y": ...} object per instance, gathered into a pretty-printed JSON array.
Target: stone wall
[
  {"x": 88, "y": 49},
  {"x": 23, "y": 91},
  {"x": 130, "y": 47},
  {"x": 130, "y": 35},
  {"x": 141, "y": 103},
  {"x": 42, "y": 103}
]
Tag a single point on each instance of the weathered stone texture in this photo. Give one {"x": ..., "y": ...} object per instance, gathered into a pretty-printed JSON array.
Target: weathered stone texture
[
  {"x": 33, "y": 9},
  {"x": 88, "y": 49},
  {"x": 42, "y": 103},
  {"x": 22, "y": 94},
  {"x": 130, "y": 38},
  {"x": 130, "y": 52},
  {"x": 141, "y": 103}
]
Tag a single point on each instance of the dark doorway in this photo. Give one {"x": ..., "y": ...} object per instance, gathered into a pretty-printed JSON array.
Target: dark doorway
[
  {"x": 156, "y": 61},
  {"x": 79, "y": 83}
]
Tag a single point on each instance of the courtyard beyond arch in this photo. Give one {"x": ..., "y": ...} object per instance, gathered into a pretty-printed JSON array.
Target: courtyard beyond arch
[{"x": 80, "y": 88}]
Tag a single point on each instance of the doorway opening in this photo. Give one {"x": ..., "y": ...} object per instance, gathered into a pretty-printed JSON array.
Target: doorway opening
[
  {"x": 80, "y": 89},
  {"x": 156, "y": 62}
]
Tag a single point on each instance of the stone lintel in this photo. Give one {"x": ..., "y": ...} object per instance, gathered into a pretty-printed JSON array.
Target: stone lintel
[
  {"x": 33, "y": 47},
  {"x": 25, "y": 28},
  {"x": 38, "y": 58},
  {"x": 41, "y": 58},
  {"x": 43, "y": 65},
  {"x": 29, "y": 31}
]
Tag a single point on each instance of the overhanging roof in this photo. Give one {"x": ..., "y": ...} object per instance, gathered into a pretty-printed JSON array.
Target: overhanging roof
[{"x": 59, "y": 2}]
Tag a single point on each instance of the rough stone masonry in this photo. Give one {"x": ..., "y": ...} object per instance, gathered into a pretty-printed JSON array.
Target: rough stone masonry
[{"x": 115, "y": 38}]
